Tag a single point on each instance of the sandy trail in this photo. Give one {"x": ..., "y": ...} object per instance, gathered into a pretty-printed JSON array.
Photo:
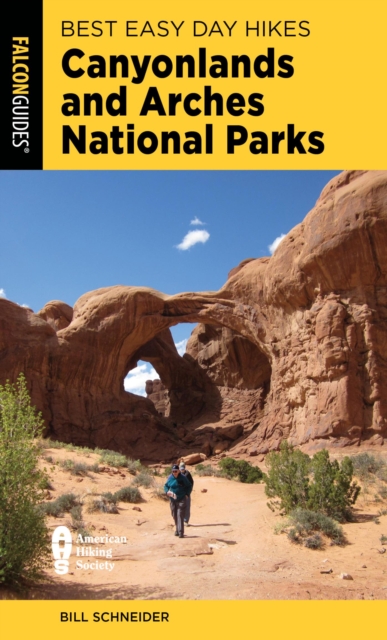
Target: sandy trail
[{"x": 229, "y": 552}]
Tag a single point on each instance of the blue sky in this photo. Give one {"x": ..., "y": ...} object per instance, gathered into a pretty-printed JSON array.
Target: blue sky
[{"x": 66, "y": 233}]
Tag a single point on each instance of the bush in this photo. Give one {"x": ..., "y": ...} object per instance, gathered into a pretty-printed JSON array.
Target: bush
[
  {"x": 241, "y": 469},
  {"x": 77, "y": 523},
  {"x": 67, "y": 501},
  {"x": 63, "y": 504},
  {"x": 287, "y": 480},
  {"x": 294, "y": 480},
  {"x": 24, "y": 541},
  {"x": 46, "y": 443},
  {"x": 67, "y": 465},
  {"x": 307, "y": 528},
  {"x": 103, "y": 505},
  {"x": 208, "y": 470},
  {"x": 311, "y": 521},
  {"x": 332, "y": 491},
  {"x": 113, "y": 459},
  {"x": 133, "y": 466},
  {"x": 314, "y": 542},
  {"x": 47, "y": 484},
  {"x": 79, "y": 468},
  {"x": 366, "y": 465},
  {"x": 76, "y": 514},
  {"x": 93, "y": 467},
  {"x": 143, "y": 479},
  {"x": 229, "y": 466},
  {"x": 110, "y": 497},
  {"x": 168, "y": 470},
  {"x": 294, "y": 535},
  {"x": 128, "y": 494}
]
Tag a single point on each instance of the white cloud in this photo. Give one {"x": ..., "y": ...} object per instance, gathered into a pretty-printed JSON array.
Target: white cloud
[
  {"x": 192, "y": 238},
  {"x": 137, "y": 377},
  {"x": 196, "y": 221},
  {"x": 181, "y": 346},
  {"x": 2, "y": 293},
  {"x": 273, "y": 246}
]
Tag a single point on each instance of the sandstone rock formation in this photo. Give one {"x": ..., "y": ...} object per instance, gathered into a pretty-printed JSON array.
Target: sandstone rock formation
[{"x": 293, "y": 346}]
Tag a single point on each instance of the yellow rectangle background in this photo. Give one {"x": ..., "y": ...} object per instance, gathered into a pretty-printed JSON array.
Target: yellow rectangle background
[
  {"x": 228, "y": 620},
  {"x": 337, "y": 88}
]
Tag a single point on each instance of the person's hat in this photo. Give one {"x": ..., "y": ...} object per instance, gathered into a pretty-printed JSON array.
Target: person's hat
[
  {"x": 175, "y": 467},
  {"x": 182, "y": 465}
]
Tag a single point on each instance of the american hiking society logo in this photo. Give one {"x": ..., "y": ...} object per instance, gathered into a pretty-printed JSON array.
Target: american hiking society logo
[{"x": 62, "y": 544}]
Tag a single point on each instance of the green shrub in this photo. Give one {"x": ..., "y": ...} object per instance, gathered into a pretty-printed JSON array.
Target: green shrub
[
  {"x": 294, "y": 535},
  {"x": 366, "y": 465},
  {"x": 47, "y": 484},
  {"x": 128, "y": 494},
  {"x": 307, "y": 528},
  {"x": 50, "y": 509},
  {"x": 93, "y": 467},
  {"x": 133, "y": 466},
  {"x": 332, "y": 491},
  {"x": 76, "y": 513},
  {"x": 67, "y": 501},
  {"x": 67, "y": 465},
  {"x": 102, "y": 505},
  {"x": 287, "y": 480},
  {"x": 113, "y": 459},
  {"x": 143, "y": 479},
  {"x": 241, "y": 469},
  {"x": 314, "y": 542},
  {"x": 110, "y": 497},
  {"x": 80, "y": 469},
  {"x": 63, "y": 504},
  {"x": 77, "y": 523},
  {"x": 312, "y": 521},
  {"x": 46, "y": 443},
  {"x": 229, "y": 466},
  {"x": 24, "y": 541},
  {"x": 318, "y": 484},
  {"x": 208, "y": 470},
  {"x": 168, "y": 470}
]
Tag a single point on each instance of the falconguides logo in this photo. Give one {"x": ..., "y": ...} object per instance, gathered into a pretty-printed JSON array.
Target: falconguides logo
[{"x": 62, "y": 543}]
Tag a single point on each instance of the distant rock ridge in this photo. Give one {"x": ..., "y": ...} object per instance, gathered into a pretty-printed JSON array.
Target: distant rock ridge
[{"x": 292, "y": 347}]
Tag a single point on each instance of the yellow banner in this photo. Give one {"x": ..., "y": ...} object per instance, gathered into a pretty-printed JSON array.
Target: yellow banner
[
  {"x": 269, "y": 85},
  {"x": 216, "y": 619}
]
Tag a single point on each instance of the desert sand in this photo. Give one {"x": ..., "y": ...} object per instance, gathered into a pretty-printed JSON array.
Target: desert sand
[{"x": 229, "y": 552}]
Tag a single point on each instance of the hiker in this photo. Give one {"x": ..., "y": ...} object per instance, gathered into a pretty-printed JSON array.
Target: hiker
[
  {"x": 177, "y": 488},
  {"x": 190, "y": 479}
]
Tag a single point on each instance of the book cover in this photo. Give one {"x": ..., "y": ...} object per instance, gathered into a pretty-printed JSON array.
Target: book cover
[{"x": 193, "y": 270}]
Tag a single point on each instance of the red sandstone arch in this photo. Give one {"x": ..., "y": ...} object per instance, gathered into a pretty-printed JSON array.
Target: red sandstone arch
[{"x": 317, "y": 309}]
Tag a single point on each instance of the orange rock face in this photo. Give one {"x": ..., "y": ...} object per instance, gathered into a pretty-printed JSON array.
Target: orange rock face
[{"x": 293, "y": 346}]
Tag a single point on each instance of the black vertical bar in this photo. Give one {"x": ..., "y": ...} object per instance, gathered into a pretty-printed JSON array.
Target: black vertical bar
[{"x": 21, "y": 73}]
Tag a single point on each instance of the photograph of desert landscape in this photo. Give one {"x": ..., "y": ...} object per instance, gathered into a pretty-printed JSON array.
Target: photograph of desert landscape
[{"x": 235, "y": 322}]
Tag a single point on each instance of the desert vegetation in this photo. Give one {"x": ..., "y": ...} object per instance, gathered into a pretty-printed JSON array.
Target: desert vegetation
[
  {"x": 232, "y": 469},
  {"x": 314, "y": 493},
  {"x": 24, "y": 542}
]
